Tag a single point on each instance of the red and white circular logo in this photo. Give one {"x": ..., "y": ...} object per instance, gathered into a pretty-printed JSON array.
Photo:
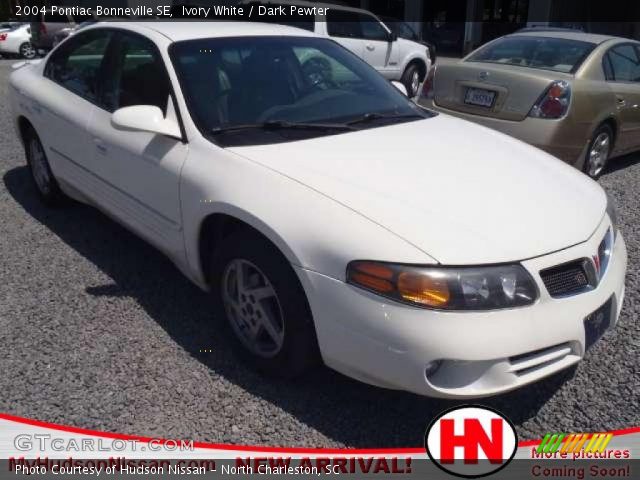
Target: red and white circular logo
[{"x": 471, "y": 441}]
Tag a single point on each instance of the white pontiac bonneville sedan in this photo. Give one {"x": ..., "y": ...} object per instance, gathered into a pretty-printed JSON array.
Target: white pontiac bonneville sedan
[{"x": 330, "y": 217}]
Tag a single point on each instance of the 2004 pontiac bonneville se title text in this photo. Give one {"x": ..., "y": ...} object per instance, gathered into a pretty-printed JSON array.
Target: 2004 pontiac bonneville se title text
[{"x": 168, "y": 11}]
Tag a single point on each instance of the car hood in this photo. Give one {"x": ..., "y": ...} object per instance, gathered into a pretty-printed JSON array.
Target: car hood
[{"x": 462, "y": 193}]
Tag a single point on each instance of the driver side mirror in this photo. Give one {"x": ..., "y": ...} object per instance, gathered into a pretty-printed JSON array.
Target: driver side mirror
[
  {"x": 400, "y": 86},
  {"x": 145, "y": 118},
  {"x": 392, "y": 37}
]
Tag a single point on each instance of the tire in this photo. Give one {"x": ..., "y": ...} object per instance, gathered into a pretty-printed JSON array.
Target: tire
[
  {"x": 411, "y": 80},
  {"x": 275, "y": 335},
  {"x": 41, "y": 174},
  {"x": 28, "y": 51},
  {"x": 599, "y": 151}
]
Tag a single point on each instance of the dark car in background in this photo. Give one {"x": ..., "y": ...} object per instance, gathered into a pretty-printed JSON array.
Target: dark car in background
[
  {"x": 46, "y": 25},
  {"x": 69, "y": 31}
]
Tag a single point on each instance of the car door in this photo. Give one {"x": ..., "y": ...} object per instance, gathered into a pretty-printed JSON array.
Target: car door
[
  {"x": 622, "y": 71},
  {"x": 139, "y": 170},
  {"x": 378, "y": 48},
  {"x": 63, "y": 106}
]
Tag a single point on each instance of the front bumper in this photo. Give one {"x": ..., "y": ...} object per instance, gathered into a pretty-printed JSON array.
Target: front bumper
[
  {"x": 564, "y": 139},
  {"x": 483, "y": 353}
]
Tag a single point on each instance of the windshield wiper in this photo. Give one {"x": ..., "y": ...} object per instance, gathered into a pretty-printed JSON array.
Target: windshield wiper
[
  {"x": 283, "y": 125},
  {"x": 370, "y": 117}
]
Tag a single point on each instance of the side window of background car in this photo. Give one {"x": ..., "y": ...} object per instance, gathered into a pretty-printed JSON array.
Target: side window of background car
[
  {"x": 323, "y": 71},
  {"x": 372, "y": 29},
  {"x": 607, "y": 68},
  {"x": 77, "y": 64},
  {"x": 136, "y": 76},
  {"x": 344, "y": 24},
  {"x": 624, "y": 64}
]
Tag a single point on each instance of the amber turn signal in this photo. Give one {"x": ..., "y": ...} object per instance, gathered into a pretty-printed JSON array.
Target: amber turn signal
[
  {"x": 422, "y": 289},
  {"x": 373, "y": 276},
  {"x": 410, "y": 286}
]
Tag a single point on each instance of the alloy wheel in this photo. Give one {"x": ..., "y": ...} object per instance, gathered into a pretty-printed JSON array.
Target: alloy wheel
[
  {"x": 415, "y": 83},
  {"x": 39, "y": 166},
  {"x": 599, "y": 154},
  {"x": 27, "y": 51},
  {"x": 253, "y": 308}
]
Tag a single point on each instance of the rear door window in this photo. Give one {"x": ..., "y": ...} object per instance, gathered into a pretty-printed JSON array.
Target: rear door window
[
  {"x": 76, "y": 65},
  {"x": 372, "y": 29},
  {"x": 624, "y": 64},
  {"x": 346, "y": 24},
  {"x": 341, "y": 23}
]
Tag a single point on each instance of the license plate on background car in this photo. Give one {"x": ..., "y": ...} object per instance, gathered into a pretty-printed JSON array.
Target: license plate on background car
[
  {"x": 480, "y": 97},
  {"x": 596, "y": 324}
]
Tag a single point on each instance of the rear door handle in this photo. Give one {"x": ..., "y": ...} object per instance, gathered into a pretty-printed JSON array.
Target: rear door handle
[
  {"x": 371, "y": 48},
  {"x": 621, "y": 101},
  {"x": 100, "y": 146}
]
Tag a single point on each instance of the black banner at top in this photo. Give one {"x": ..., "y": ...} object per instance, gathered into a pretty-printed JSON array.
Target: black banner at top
[{"x": 581, "y": 13}]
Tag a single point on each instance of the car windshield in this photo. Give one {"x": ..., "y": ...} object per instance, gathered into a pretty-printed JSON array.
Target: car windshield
[
  {"x": 258, "y": 90},
  {"x": 546, "y": 53}
]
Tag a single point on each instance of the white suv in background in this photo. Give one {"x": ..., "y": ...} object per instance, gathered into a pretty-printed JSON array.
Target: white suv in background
[{"x": 365, "y": 35}]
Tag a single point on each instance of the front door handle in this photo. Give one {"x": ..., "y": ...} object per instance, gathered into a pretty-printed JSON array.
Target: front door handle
[
  {"x": 35, "y": 105},
  {"x": 371, "y": 48},
  {"x": 100, "y": 146},
  {"x": 621, "y": 101}
]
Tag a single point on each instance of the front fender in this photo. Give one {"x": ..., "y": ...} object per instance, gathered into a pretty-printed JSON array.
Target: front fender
[
  {"x": 415, "y": 56},
  {"x": 310, "y": 229}
]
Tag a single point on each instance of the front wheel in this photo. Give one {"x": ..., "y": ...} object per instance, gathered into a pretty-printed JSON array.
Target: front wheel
[
  {"x": 411, "y": 80},
  {"x": 598, "y": 152},
  {"x": 260, "y": 298},
  {"x": 28, "y": 51},
  {"x": 41, "y": 173}
]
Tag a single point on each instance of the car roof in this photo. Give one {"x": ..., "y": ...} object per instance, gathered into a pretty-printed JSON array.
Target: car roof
[
  {"x": 570, "y": 35},
  {"x": 179, "y": 31}
]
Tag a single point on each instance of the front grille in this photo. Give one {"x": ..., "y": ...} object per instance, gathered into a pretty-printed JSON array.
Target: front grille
[{"x": 566, "y": 279}]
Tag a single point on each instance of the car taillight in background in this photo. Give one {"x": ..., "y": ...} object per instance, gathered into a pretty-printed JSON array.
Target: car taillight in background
[
  {"x": 555, "y": 101},
  {"x": 43, "y": 29},
  {"x": 3, "y": 37},
  {"x": 427, "y": 88}
]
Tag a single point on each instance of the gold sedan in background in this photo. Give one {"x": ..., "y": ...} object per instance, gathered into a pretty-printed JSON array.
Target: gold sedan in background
[{"x": 573, "y": 94}]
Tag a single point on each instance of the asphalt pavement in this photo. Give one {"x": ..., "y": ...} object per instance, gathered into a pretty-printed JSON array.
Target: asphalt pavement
[{"x": 99, "y": 330}]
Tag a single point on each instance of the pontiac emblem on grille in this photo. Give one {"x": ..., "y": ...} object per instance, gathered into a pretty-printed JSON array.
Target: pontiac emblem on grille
[{"x": 483, "y": 76}]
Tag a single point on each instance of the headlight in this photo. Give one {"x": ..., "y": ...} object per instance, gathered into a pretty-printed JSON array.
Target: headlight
[
  {"x": 447, "y": 288},
  {"x": 613, "y": 215}
]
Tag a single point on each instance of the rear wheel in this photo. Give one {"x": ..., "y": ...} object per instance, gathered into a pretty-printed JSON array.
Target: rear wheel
[
  {"x": 411, "y": 80},
  {"x": 260, "y": 297},
  {"x": 41, "y": 173},
  {"x": 28, "y": 51},
  {"x": 598, "y": 152}
]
